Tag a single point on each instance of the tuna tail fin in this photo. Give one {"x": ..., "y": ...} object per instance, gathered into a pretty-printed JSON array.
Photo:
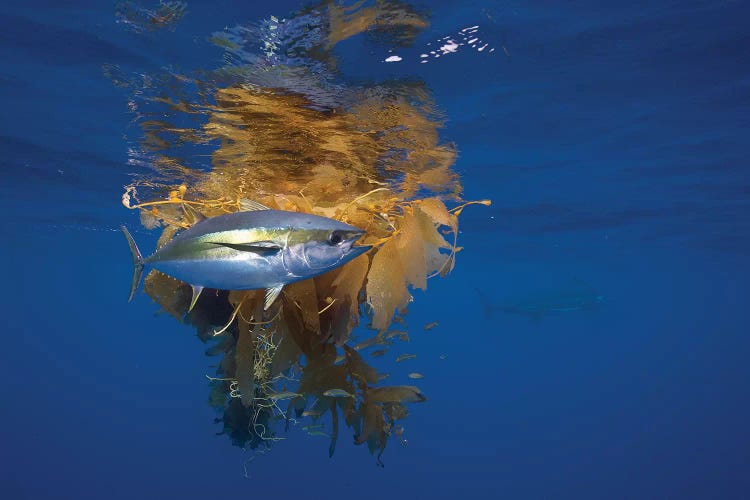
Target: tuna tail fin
[{"x": 137, "y": 262}]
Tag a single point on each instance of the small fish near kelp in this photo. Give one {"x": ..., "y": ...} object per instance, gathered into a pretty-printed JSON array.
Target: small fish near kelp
[
  {"x": 258, "y": 248},
  {"x": 395, "y": 394},
  {"x": 338, "y": 393}
]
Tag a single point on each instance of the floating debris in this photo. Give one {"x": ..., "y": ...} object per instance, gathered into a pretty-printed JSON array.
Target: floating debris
[{"x": 430, "y": 326}]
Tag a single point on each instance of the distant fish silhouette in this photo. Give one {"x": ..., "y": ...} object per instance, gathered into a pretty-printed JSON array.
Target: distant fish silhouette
[{"x": 539, "y": 304}]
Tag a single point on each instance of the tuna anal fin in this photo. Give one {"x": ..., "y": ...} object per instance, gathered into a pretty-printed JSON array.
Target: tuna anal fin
[
  {"x": 250, "y": 205},
  {"x": 196, "y": 293},
  {"x": 271, "y": 295}
]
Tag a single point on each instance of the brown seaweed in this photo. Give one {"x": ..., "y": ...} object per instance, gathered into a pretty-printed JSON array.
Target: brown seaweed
[{"x": 374, "y": 160}]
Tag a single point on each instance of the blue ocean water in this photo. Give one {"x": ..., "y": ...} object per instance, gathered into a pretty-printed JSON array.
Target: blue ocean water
[{"x": 612, "y": 139}]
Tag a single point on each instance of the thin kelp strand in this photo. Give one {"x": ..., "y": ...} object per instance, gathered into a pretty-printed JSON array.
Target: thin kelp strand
[{"x": 231, "y": 319}]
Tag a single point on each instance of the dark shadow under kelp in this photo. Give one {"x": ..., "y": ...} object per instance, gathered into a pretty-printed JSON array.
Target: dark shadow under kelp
[{"x": 280, "y": 129}]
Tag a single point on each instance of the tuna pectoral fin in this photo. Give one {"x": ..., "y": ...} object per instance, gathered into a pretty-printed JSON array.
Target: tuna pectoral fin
[
  {"x": 271, "y": 295},
  {"x": 196, "y": 293},
  {"x": 137, "y": 262}
]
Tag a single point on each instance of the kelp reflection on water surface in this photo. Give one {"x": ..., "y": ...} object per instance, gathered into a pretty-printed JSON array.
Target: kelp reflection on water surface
[{"x": 279, "y": 129}]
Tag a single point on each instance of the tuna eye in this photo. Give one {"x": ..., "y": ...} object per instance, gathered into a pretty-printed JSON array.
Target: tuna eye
[{"x": 335, "y": 238}]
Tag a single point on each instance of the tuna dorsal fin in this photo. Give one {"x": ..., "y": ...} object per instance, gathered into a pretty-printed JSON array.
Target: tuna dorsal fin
[
  {"x": 193, "y": 213},
  {"x": 271, "y": 295},
  {"x": 261, "y": 247},
  {"x": 196, "y": 293},
  {"x": 250, "y": 205}
]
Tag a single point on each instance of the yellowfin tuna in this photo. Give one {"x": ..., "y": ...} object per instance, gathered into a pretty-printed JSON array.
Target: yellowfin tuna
[{"x": 254, "y": 249}]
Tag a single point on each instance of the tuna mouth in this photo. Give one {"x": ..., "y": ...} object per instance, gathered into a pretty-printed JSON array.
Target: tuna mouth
[
  {"x": 351, "y": 249},
  {"x": 357, "y": 251},
  {"x": 353, "y": 236}
]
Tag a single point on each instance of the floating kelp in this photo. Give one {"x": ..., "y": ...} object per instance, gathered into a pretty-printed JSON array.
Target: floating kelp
[
  {"x": 137, "y": 18},
  {"x": 278, "y": 131}
]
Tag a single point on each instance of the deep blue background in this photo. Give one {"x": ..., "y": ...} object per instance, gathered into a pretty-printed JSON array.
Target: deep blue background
[{"x": 613, "y": 141}]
